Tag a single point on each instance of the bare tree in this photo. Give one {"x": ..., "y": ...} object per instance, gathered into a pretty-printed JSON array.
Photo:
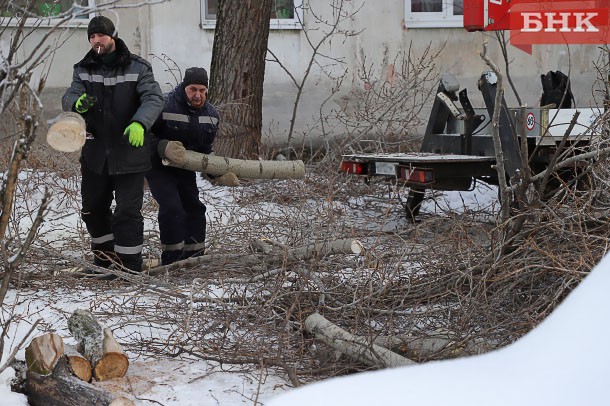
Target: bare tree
[{"x": 237, "y": 75}]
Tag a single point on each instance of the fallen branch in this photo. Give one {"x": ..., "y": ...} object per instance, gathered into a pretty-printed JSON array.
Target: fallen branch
[
  {"x": 358, "y": 348},
  {"x": 271, "y": 257}
]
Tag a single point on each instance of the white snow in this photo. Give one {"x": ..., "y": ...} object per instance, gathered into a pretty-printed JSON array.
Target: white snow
[{"x": 563, "y": 361}]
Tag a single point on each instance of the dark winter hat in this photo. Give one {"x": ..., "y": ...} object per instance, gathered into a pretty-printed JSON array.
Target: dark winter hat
[
  {"x": 195, "y": 76},
  {"x": 101, "y": 25}
]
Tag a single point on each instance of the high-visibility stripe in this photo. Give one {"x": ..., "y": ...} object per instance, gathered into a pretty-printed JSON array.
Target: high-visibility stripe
[
  {"x": 130, "y": 77},
  {"x": 183, "y": 118},
  {"x": 173, "y": 247},
  {"x": 102, "y": 239},
  {"x": 194, "y": 247},
  {"x": 208, "y": 120},
  {"x": 128, "y": 250}
]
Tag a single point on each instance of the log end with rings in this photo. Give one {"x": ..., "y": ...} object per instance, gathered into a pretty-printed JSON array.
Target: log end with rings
[{"x": 67, "y": 133}]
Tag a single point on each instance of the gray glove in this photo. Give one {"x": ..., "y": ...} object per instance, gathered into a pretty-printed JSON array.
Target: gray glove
[{"x": 172, "y": 150}]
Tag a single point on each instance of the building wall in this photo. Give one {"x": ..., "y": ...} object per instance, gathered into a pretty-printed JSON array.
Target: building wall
[{"x": 170, "y": 33}]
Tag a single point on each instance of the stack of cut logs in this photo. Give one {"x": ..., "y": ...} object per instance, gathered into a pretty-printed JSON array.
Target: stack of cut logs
[{"x": 59, "y": 374}]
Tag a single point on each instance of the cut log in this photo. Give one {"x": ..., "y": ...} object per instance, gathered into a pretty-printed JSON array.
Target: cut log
[
  {"x": 324, "y": 248},
  {"x": 81, "y": 367},
  {"x": 67, "y": 133},
  {"x": 355, "y": 347},
  {"x": 61, "y": 388},
  {"x": 98, "y": 345},
  {"x": 43, "y": 353},
  {"x": 246, "y": 169}
]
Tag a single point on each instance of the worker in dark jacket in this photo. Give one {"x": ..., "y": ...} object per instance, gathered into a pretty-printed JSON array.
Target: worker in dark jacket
[
  {"x": 116, "y": 93},
  {"x": 188, "y": 122}
]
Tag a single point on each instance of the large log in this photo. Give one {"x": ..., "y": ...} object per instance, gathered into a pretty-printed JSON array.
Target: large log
[
  {"x": 246, "y": 169},
  {"x": 358, "y": 348},
  {"x": 61, "y": 388},
  {"x": 98, "y": 345},
  {"x": 43, "y": 353}
]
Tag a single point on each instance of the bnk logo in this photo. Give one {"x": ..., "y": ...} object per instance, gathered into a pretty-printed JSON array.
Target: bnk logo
[{"x": 559, "y": 22}]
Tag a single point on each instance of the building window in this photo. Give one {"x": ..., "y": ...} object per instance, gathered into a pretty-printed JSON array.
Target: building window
[
  {"x": 434, "y": 13},
  {"x": 286, "y": 14},
  {"x": 39, "y": 11}
]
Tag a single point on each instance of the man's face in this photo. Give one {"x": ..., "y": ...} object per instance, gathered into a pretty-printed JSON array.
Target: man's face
[
  {"x": 196, "y": 95},
  {"x": 101, "y": 43}
]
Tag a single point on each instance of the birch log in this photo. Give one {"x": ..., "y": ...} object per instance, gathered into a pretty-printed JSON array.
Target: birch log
[
  {"x": 43, "y": 353},
  {"x": 358, "y": 348},
  {"x": 246, "y": 169},
  {"x": 329, "y": 247},
  {"x": 98, "y": 345}
]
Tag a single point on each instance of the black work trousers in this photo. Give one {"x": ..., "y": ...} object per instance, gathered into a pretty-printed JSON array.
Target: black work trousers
[
  {"x": 115, "y": 235},
  {"x": 181, "y": 214}
]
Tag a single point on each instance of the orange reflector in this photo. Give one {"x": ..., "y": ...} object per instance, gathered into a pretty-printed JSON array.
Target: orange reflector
[{"x": 417, "y": 175}]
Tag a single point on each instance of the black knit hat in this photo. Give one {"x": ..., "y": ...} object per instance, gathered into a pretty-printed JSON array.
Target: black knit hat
[
  {"x": 195, "y": 76},
  {"x": 101, "y": 25}
]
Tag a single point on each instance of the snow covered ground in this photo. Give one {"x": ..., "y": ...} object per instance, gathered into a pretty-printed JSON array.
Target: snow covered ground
[
  {"x": 564, "y": 361},
  {"x": 187, "y": 381}
]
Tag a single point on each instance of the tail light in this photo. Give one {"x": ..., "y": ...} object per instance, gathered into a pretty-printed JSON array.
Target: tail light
[
  {"x": 417, "y": 175},
  {"x": 356, "y": 168}
]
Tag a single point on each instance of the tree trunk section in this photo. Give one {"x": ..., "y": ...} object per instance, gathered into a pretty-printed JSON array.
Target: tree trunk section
[
  {"x": 98, "y": 345},
  {"x": 355, "y": 347},
  {"x": 245, "y": 169},
  {"x": 237, "y": 73},
  {"x": 61, "y": 388},
  {"x": 43, "y": 353},
  {"x": 81, "y": 367}
]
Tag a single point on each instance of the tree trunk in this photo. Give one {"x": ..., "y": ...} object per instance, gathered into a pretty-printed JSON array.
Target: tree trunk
[
  {"x": 242, "y": 168},
  {"x": 355, "y": 347},
  {"x": 237, "y": 73},
  {"x": 98, "y": 345},
  {"x": 61, "y": 388}
]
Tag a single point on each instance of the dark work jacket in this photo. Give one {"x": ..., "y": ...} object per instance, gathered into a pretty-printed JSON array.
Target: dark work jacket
[
  {"x": 194, "y": 128},
  {"x": 126, "y": 92}
]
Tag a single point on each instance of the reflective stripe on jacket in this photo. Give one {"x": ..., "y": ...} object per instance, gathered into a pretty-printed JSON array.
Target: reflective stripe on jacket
[
  {"x": 195, "y": 128},
  {"x": 126, "y": 91}
]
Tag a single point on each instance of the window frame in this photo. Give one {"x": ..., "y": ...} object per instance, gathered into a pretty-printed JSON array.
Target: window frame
[
  {"x": 275, "y": 23},
  {"x": 46, "y": 22},
  {"x": 442, "y": 19}
]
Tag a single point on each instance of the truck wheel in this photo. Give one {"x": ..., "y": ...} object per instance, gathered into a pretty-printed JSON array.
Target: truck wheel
[{"x": 414, "y": 201}]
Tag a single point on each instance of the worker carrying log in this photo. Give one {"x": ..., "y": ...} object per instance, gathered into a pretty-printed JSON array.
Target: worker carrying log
[{"x": 188, "y": 121}]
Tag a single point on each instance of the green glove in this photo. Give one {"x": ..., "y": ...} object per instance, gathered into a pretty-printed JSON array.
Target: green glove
[
  {"x": 84, "y": 103},
  {"x": 135, "y": 131}
]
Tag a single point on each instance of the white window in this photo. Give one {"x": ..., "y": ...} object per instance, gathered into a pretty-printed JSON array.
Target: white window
[
  {"x": 434, "y": 13},
  {"x": 286, "y": 14},
  {"x": 46, "y": 12}
]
